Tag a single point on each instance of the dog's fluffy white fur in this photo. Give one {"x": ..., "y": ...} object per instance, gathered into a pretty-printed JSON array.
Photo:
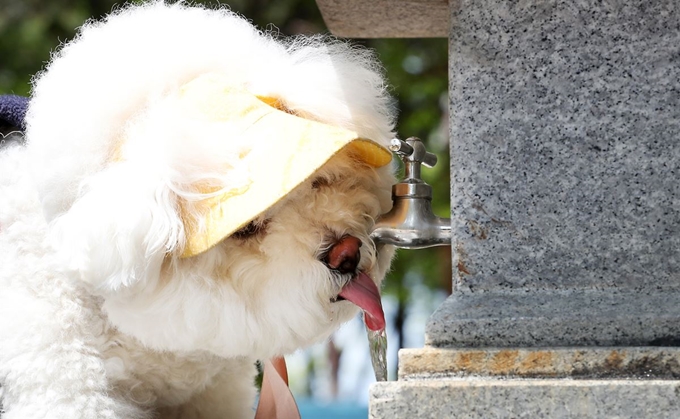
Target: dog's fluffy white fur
[{"x": 99, "y": 316}]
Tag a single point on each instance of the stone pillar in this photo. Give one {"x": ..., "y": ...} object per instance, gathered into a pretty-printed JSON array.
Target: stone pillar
[{"x": 565, "y": 145}]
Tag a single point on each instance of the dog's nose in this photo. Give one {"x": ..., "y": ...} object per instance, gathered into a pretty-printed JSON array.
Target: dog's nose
[{"x": 344, "y": 256}]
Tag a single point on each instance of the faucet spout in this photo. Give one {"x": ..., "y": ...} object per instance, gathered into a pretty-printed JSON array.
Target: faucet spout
[{"x": 410, "y": 223}]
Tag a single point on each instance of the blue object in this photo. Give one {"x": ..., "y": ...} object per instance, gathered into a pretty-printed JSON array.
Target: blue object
[
  {"x": 13, "y": 110},
  {"x": 312, "y": 409}
]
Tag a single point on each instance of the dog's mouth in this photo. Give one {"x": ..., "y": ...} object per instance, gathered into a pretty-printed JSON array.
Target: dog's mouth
[{"x": 344, "y": 257}]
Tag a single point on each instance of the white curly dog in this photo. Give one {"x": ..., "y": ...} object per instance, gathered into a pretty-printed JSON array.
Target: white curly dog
[{"x": 121, "y": 295}]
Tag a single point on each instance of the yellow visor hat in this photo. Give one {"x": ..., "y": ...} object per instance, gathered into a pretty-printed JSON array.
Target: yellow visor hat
[{"x": 284, "y": 150}]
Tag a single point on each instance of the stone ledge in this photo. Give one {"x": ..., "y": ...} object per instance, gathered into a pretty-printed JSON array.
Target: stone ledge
[
  {"x": 476, "y": 398},
  {"x": 581, "y": 363},
  {"x": 386, "y": 18},
  {"x": 557, "y": 318}
]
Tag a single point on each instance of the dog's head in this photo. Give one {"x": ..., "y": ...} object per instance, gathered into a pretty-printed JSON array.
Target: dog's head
[
  {"x": 272, "y": 286},
  {"x": 128, "y": 187}
]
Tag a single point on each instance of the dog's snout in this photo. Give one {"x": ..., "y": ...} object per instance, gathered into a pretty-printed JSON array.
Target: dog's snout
[{"x": 344, "y": 256}]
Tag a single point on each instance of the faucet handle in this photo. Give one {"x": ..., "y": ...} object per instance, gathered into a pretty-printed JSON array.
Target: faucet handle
[
  {"x": 400, "y": 147},
  {"x": 413, "y": 150}
]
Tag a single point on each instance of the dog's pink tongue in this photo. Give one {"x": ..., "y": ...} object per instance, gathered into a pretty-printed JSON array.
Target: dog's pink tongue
[{"x": 363, "y": 292}]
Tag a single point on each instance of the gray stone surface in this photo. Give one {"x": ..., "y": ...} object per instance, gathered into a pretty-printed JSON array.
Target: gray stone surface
[
  {"x": 565, "y": 142},
  {"x": 386, "y": 18},
  {"x": 606, "y": 317},
  {"x": 532, "y": 399}
]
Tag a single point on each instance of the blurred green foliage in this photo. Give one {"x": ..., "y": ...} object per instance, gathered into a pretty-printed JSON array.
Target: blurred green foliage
[{"x": 416, "y": 70}]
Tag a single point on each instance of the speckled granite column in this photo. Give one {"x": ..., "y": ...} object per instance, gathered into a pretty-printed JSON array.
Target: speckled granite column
[{"x": 565, "y": 144}]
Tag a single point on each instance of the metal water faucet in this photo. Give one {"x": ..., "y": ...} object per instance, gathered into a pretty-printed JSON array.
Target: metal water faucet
[{"x": 411, "y": 224}]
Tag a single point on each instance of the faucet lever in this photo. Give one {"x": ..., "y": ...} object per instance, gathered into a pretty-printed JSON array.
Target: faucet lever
[
  {"x": 413, "y": 150},
  {"x": 402, "y": 148}
]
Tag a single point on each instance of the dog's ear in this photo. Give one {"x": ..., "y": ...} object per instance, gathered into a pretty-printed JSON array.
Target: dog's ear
[{"x": 119, "y": 230}]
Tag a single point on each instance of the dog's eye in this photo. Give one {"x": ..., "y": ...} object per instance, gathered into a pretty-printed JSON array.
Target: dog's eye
[
  {"x": 320, "y": 182},
  {"x": 252, "y": 229}
]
